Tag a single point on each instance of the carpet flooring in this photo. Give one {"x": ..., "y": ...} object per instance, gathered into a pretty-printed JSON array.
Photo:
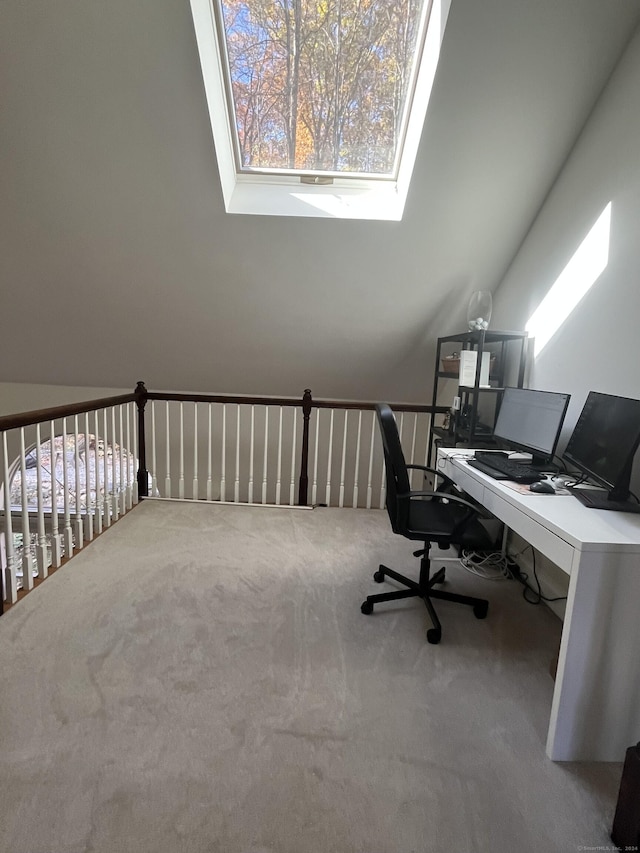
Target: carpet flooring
[{"x": 200, "y": 679}]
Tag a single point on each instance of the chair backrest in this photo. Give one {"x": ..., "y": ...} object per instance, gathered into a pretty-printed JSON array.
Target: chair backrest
[{"x": 395, "y": 468}]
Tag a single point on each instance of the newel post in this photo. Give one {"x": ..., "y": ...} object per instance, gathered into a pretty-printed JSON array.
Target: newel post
[
  {"x": 143, "y": 475},
  {"x": 304, "y": 461}
]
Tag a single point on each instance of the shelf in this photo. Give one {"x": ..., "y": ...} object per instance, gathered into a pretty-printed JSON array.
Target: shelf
[
  {"x": 509, "y": 351},
  {"x": 462, "y": 434},
  {"x": 481, "y": 388},
  {"x": 490, "y": 337}
]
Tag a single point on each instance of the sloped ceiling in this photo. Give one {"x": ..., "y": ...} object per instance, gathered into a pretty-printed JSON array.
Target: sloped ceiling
[{"x": 118, "y": 262}]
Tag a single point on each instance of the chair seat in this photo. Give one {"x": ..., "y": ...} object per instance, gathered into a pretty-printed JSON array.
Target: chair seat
[{"x": 438, "y": 519}]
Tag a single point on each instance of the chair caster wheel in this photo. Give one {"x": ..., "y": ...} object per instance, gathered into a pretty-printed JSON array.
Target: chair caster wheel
[
  {"x": 434, "y": 635},
  {"x": 439, "y": 576},
  {"x": 378, "y": 576},
  {"x": 366, "y": 607},
  {"x": 480, "y": 610}
]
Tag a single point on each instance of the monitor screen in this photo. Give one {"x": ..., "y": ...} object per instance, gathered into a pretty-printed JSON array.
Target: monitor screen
[
  {"x": 605, "y": 439},
  {"x": 531, "y": 420}
]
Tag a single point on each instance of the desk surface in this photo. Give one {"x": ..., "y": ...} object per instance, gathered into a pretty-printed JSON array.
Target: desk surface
[{"x": 582, "y": 527}]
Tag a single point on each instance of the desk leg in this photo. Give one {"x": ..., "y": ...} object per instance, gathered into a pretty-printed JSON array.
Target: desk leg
[{"x": 595, "y": 713}]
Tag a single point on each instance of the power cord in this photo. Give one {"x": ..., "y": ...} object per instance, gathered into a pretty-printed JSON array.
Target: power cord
[
  {"x": 523, "y": 578},
  {"x": 495, "y": 566},
  {"x": 490, "y": 567}
]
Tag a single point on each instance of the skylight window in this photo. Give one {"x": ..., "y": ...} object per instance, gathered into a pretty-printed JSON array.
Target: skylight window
[{"x": 317, "y": 107}]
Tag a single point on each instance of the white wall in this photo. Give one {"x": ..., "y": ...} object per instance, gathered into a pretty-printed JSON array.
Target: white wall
[{"x": 598, "y": 347}]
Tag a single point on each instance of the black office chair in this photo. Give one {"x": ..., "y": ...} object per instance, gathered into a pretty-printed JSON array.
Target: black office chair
[{"x": 439, "y": 517}]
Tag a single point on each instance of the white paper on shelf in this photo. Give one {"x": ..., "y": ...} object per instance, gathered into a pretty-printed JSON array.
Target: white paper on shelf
[
  {"x": 484, "y": 369},
  {"x": 468, "y": 362}
]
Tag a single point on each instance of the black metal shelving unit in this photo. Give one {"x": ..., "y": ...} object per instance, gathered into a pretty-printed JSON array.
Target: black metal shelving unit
[{"x": 465, "y": 428}]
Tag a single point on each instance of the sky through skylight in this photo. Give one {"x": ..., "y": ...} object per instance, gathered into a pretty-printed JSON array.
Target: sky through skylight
[{"x": 321, "y": 86}]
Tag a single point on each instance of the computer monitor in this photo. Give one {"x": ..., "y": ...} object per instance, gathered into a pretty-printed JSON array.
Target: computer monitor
[
  {"x": 531, "y": 420},
  {"x": 602, "y": 447}
]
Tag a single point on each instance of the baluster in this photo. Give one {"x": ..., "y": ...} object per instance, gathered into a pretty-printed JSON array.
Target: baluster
[
  {"x": 56, "y": 541},
  {"x": 134, "y": 458},
  {"x": 356, "y": 472},
  {"x": 122, "y": 497},
  {"x": 292, "y": 487},
  {"x": 41, "y": 542},
  {"x": 314, "y": 488},
  {"x": 10, "y": 579},
  {"x": 194, "y": 490},
  {"x": 343, "y": 463},
  {"x": 279, "y": 465},
  {"x": 181, "y": 478},
  {"x": 115, "y": 503},
  {"x": 99, "y": 485},
  {"x": 251, "y": 455},
  {"x": 154, "y": 451},
  {"x": 106, "y": 502},
  {"x": 88, "y": 508},
  {"x": 413, "y": 445},
  {"x": 236, "y": 486},
  {"x": 266, "y": 447},
  {"x": 167, "y": 479},
  {"x": 209, "y": 454},
  {"x": 427, "y": 434},
  {"x": 329, "y": 455},
  {"x": 370, "y": 471},
  {"x": 223, "y": 461},
  {"x": 383, "y": 484},
  {"x": 27, "y": 560},
  {"x": 67, "y": 531},
  {"x": 129, "y": 476},
  {"x": 77, "y": 516}
]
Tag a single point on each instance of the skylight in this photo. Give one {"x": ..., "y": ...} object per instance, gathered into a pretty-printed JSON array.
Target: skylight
[{"x": 317, "y": 107}]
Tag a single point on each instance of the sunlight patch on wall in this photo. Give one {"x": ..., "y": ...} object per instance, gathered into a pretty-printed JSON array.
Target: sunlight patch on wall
[{"x": 574, "y": 282}]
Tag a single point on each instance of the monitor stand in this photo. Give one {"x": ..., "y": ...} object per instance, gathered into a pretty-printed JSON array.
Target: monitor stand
[{"x": 597, "y": 499}]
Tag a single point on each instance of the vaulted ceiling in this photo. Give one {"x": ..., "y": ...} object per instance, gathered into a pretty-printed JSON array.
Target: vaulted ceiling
[{"x": 118, "y": 261}]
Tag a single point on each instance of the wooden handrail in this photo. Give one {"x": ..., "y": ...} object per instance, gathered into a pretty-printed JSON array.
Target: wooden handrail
[
  {"x": 291, "y": 401},
  {"x": 39, "y": 416}
]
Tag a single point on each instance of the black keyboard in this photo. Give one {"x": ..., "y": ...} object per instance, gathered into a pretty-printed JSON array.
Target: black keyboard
[{"x": 501, "y": 468}]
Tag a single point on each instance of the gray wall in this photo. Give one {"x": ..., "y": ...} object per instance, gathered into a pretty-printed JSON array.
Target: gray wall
[
  {"x": 597, "y": 348},
  {"x": 118, "y": 262}
]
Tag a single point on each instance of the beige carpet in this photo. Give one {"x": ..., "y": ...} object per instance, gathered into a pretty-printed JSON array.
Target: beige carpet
[{"x": 200, "y": 678}]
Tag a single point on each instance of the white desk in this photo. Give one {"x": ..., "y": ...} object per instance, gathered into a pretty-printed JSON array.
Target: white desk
[{"x": 595, "y": 714}]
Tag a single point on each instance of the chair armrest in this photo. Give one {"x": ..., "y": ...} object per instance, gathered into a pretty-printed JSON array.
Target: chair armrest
[
  {"x": 443, "y": 496},
  {"x": 448, "y": 480}
]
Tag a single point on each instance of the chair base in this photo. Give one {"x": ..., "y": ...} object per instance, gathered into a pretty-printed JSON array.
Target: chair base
[{"x": 423, "y": 589}]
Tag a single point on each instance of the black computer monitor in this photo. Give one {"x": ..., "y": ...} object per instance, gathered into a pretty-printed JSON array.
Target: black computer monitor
[
  {"x": 602, "y": 446},
  {"x": 531, "y": 420}
]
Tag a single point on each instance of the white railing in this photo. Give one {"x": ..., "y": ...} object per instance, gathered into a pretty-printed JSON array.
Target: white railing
[
  {"x": 256, "y": 450},
  {"x": 72, "y": 471},
  {"x": 63, "y": 480}
]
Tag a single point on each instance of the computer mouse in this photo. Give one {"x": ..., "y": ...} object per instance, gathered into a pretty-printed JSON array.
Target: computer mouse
[{"x": 542, "y": 487}]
